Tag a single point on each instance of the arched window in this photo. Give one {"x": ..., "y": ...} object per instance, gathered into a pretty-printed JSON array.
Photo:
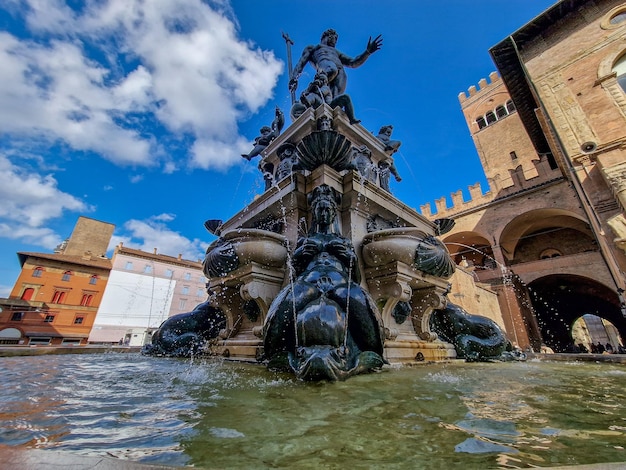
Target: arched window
[
  {"x": 619, "y": 18},
  {"x": 38, "y": 271},
  {"x": 501, "y": 111},
  {"x": 620, "y": 69},
  {"x": 66, "y": 276},
  {"x": 93, "y": 280},
  {"x": 58, "y": 297},
  {"x": 481, "y": 122},
  {"x": 510, "y": 106},
  {"x": 491, "y": 117},
  {"x": 28, "y": 293},
  {"x": 86, "y": 300},
  {"x": 550, "y": 253}
]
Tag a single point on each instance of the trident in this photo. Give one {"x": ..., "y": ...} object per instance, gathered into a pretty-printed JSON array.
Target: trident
[{"x": 289, "y": 43}]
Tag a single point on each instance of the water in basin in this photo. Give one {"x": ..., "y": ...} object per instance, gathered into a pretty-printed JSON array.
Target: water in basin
[{"x": 210, "y": 413}]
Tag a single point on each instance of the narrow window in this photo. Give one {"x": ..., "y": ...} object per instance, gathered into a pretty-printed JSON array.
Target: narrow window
[
  {"x": 38, "y": 271},
  {"x": 481, "y": 122},
  {"x": 491, "y": 118},
  {"x": 620, "y": 70},
  {"x": 66, "y": 276},
  {"x": 28, "y": 293},
  {"x": 513, "y": 156},
  {"x": 182, "y": 303},
  {"x": 501, "y": 111}
]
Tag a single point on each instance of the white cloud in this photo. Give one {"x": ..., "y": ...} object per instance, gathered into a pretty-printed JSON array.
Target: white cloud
[
  {"x": 153, "y": 233},
  {"x": 29, "y": 201},
  {"x": 191, "y": 73}
]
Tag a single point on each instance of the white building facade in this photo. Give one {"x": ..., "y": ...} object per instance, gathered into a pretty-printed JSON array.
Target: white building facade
[{"x": 144, "y": 289}]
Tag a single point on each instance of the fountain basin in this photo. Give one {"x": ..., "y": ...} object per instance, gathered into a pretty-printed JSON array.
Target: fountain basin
[
  {"x": 409, "y": 245},
  {"x": 258, "y": 246}
]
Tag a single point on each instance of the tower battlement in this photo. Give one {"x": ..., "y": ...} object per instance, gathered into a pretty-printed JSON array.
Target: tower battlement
[{"x": 483, "y": 87}]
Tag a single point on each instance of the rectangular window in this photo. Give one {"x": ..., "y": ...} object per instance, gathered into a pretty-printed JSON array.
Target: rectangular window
[
  {"x": 513, "y": 156},
  {"x": 70, "y": 341},
  {"x": 40, "y": 340},
  {"x": 147, "y": 269},
  {"x": 200, "y": 292},
  {"x": 79, "y": 320},
  {"x": 169, "y": 273},
  {"x": 129, "y": 265},
  {"x": 93, "y": 280},
  {"x": 185, "y": 290},
  {"x": 182, "y": 303},
  {"x": 37, "y": 272},
  {"x": 17, "y": 316},
  {"x": 66, "y": 277},
  {"x": 187, "y": 276},
  {"x": 49, "y": 318}
]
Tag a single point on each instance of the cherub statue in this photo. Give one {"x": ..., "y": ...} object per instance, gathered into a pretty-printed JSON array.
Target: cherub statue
[
  {"x": 267, "y": 135},
  {"x": 384, "y": 135},
  {"x": 386, "y": 167},
  {"x": 319, "y": 92}
]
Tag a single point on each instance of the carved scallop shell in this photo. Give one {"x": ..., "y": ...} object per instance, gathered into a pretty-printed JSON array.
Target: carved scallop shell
[{"x": 324, "y": 147}]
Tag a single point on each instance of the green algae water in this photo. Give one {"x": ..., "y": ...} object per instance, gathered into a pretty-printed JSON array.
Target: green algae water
[{"x": 214, "y": 414}]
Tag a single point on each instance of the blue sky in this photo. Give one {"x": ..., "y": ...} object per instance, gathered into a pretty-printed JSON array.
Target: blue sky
[{"x": 135, "y": 112}]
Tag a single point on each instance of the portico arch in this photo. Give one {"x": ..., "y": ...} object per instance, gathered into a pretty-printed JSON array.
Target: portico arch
[{"x": 559, "y": 300}]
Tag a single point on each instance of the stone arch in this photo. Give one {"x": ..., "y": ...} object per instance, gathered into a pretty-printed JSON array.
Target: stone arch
[
  {"x": 471, "y": 247},
  {"x": 559, "y": 300},
  {"x": 530, "y": 234}
]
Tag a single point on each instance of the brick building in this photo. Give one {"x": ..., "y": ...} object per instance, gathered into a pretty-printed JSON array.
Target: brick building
[
  {"x": 549, "y": 235},
  {"x": 56, "y": 296}
]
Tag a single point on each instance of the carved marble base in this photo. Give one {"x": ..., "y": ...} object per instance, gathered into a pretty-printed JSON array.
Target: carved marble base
[{"x": 410, "y": 351}]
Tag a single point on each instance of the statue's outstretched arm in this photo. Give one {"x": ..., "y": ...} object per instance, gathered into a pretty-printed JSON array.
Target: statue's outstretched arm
[{"x": 372, "y": 46}]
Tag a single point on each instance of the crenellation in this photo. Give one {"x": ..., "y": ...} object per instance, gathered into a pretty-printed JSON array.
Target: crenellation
[
  {"x": 483, "y": 85},
  {"x": 457, "y": 198},
  {"x": 475, "y": 191},
  {"x": 441, "y": 205},
  {"x": 516, "y": 180}
]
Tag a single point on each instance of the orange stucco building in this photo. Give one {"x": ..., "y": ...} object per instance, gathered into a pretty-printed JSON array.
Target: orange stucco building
[{"x": 56, "y": 296}]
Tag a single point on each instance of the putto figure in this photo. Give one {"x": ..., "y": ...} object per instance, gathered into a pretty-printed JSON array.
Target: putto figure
[
  {"x": 326, "y": 58},
  {"x": 267, "y": 135}
]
